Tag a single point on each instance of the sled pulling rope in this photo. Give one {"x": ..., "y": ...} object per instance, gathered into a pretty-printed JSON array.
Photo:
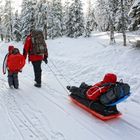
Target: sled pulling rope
[
  {"x": 58, "y": 79},
  {"x": 59, "y": 72}
]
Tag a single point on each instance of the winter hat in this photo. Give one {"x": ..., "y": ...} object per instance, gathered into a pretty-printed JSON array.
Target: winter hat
[
  {"x": 10, "y": 48},
  {"x": 110, "y": 78}
]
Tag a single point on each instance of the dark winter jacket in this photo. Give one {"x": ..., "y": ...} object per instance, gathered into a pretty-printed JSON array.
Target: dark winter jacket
[
  {"x": 98, "y": 89},
  {"x": 27, "y": 49}
]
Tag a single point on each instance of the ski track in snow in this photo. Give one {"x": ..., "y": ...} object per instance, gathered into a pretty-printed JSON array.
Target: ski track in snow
[
  {"x": 128, "y": 124},
  {"x": 60, "y": 106},
  {"x": 31, "y": 115},
  {"x": 31, "y": 125},
  {"x": 19, "y": 118},
  {"x": 82, "y": 121}
]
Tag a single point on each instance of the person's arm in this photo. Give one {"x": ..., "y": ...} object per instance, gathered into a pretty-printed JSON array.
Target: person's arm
[
  {"x": 27, "y": 46},
  {"x": 46, "y": 56},
  {"x": 46, "y": 53}
]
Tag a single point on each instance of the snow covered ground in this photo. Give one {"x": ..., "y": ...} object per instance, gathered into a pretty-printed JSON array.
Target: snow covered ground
[{"x": 30, "y": 113}]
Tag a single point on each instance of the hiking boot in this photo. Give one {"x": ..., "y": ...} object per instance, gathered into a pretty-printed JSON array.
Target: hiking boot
[
  {"x": 68, "y": 87},
  {"x": 72, "y": 88},
  {"x": 37, "y": 85},
  {"x": 11, "y": 86},
  {"x": 16, "y": 87}
]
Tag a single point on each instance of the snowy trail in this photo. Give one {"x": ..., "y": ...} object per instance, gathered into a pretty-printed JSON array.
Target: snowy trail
[
  {"x": 48, "y": 114},
  {"x": 82, "y": 121}
]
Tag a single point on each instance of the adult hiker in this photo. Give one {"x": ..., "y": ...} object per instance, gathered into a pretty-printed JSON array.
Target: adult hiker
[{"x": 36, "y": 49}]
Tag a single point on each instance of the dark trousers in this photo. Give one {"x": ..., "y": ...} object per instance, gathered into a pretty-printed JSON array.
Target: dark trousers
[
  {"x": 37, "y": 71},
  {"x": 13, "y": 79}
]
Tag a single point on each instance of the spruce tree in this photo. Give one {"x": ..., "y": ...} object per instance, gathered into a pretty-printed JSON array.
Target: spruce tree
[
  {"x": 90, "y": 20},
  {"x": 27, "y": 17},
  {"x": 49, "y": 20},
  {"x": 75, "y": 22},
  {"x": 54, "y": 19},
  {"x": 123, "y": 22},
  {"x": 135, "y": 15},
  {"x": 8, "y": 20},
  {"x": 112, "y": 9},
  {"x": 102, "y": 15},
  {"x": 16, "y": 27},
  {"x": 41, "y": 17},
  {"x": 65, "y": 17},
  {"x": 57, "y": 18},
  {"x": 1, "y": 23},
  {"x": 118, "y": 19}
]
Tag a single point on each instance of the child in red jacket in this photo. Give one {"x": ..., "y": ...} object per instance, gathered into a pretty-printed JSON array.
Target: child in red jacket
[{"x": 14, "y": 62}]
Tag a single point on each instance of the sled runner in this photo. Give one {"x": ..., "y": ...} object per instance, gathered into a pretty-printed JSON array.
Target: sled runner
[{"x": 88, "y": 106}]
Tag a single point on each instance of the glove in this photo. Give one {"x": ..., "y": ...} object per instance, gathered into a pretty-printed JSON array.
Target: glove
[{"x": 45, "y": 60}]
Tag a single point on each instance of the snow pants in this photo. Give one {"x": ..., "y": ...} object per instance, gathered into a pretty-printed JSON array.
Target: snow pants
[
  {"x": 13, "y": 79},
  {"x": 37, "y": 71}
]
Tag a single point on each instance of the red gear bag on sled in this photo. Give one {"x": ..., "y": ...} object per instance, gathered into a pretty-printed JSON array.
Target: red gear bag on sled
[{"x": 94, "y": 113}]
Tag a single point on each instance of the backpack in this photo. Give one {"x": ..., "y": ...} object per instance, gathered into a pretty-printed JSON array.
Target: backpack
[
  {"x": 116, "y": 92},
  {"x": 15, "y": 61},
  {"x": 38, "y": 43}
]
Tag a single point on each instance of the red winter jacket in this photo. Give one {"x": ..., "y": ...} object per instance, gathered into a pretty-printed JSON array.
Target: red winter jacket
[
  {"x": 27, "y": 47},
  {"x": 15, "y": 62},
  {"x": 96, "y": 90}
]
